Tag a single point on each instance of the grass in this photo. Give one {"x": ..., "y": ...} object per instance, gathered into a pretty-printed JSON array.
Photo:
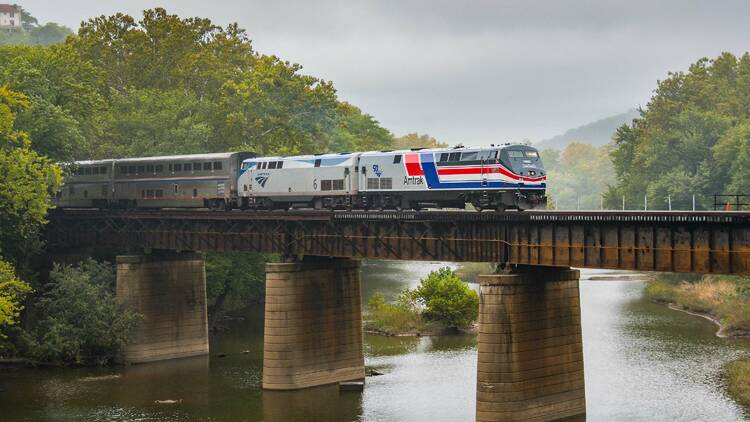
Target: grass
[
  {"x": 738, "y": 381},
  {"x": 725, "y": 298},
  {"x": 392, "y": 318}
]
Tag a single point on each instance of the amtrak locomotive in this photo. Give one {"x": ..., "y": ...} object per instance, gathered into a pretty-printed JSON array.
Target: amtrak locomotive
[{"x": 509, "y": 176}]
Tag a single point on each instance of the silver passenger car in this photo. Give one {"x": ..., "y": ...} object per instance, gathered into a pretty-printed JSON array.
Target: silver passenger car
[{"x": 179, "y": 181}]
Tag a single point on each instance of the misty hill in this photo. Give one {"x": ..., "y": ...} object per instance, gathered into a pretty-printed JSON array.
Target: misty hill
[{"x": 596, "y": 133}]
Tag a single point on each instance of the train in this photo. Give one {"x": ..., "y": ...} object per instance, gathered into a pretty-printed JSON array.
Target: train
[{"x": 498, "y": 177}]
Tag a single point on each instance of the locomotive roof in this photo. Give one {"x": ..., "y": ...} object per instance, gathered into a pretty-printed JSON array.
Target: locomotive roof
[{"x": 210, "y": 156}]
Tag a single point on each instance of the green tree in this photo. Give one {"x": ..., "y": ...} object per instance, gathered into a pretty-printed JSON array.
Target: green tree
[
  {"x": 49, "y": 33},
  {"x": 415, "y": 140},
  {"x": 12, "y": 294},
  {"x": 357, "y": 131},
  {"x": 26, "y": 182},
  {"x": 82, "y": 320},
  {"x": 691, "y": 139},
  {"x": 578, "y": 176},
  {"x": 447, "y": 299},
  {"x": 233, "y": 280}
]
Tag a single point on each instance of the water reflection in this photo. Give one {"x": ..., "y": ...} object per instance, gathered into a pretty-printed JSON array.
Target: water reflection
[{"x": 315, "y": 404}]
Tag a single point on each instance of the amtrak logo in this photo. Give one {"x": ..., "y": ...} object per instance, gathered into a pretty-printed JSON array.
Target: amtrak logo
[
  {"x": 262, "y": 180},
  {"x": 376, "y": 170}
]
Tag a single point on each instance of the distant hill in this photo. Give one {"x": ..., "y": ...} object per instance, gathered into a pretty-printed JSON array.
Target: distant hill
[{"x": 596, "y": 133}]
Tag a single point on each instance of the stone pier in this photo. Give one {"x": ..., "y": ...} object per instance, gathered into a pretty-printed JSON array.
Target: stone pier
[
  {"x": 169, "y": 290},
  {"x": 313, "y": 324},
  {"x": 530, "y": 365}
]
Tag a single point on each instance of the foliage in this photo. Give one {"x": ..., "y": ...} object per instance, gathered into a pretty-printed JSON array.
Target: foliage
[
  {"x": 447, "y": 299},
  {"x": 692, "y": 139},
  {"x": 737, "y": 375},
  {"x": 27, "y": 180},
  {"x": 234, "y": 279},
  {"x": 391, "y": 318},
  {"x": 12, "y": 293},
  {"x": 82, "y": 320},
  {"x": 578, "y": 176},
  {"x": 415, "y": 140}
]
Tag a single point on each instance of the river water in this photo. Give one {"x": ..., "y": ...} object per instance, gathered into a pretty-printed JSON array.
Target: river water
[{"x": 642, "y": 362}]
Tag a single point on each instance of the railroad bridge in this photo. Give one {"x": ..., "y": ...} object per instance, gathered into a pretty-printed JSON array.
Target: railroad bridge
[{"x": 530, "y": 364}]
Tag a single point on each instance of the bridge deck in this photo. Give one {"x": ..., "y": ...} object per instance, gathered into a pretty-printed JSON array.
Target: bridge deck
[{"x": 703, "y": 242}]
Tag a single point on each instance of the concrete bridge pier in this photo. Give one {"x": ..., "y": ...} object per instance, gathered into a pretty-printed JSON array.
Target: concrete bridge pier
[
  {"x": 169, "y": 290},
  {"x": 313, "y": 324},
  {"x": 530, "y": 363}
]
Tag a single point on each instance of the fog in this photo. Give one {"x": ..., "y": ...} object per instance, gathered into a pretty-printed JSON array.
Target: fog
[{"x": 479, "y": 72}]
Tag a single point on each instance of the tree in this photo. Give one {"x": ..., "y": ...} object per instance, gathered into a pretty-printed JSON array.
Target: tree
[
  {"x": 691, "y": 139},
  {"x": 82, "y": 320},
  {"x": 357, "y": 131},
  {"x": 49, "y": 33},
  {"x": 447, "y": 299},
  {"x": 27, "y": 180},
  {"x": 578, "y": 176},
  {"x": 233, "y": 280},
  {"x": 415, "y": 140},
  {"x": 12, "y": 294}
]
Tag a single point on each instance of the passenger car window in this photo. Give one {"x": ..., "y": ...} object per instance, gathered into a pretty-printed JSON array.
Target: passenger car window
[
  {"x": 272, "y": 165},
  {"x": 217, "y": 165},
  {"x": 178, "y": 167},
  {"x": 159, "y": 168},
  {"x": 206, "y": 166},
  {"x": 196, "y": 166},
  {"x": 280, "y": 164},
  {"x": 317, "y": 162},
  {"x": 187, "y": 167}
]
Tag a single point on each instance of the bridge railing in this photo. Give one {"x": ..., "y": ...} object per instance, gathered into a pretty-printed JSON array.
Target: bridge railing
[{"x": 731, "y": 202}]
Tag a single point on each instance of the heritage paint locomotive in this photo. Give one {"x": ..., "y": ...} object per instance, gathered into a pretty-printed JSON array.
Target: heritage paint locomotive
[{"x": 502, "y": 177}]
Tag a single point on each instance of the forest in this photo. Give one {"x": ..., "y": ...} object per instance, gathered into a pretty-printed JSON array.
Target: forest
[{"x": 122, "y": 87}]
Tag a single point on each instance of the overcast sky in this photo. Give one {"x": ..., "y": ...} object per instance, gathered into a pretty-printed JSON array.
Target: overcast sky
[{"x": 471, "y": 71}]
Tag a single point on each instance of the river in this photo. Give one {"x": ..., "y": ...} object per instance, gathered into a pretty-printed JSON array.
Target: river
[{"x": 642, "y": 362}]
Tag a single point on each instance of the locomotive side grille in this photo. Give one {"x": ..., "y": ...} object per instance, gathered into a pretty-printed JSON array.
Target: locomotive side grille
[
  {"x": 386, "y": 183},
  {"x": 338, "y": 184},
  {"x": 325, "y": 184},
  {"x": 373, "y": 183}
]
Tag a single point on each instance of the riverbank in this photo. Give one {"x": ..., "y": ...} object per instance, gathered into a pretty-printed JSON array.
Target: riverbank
[{"x": 724, "y": 300}]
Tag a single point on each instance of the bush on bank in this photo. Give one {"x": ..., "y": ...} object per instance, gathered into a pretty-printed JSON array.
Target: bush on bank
[
  {"x": 737, "y": 375},
  {"x": 727, "y": 298},
  {"x": 441, "y": 298},
  {"x": 81, "y": 320}
]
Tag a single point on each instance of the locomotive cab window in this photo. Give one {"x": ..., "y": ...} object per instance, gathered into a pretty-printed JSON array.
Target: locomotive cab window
[
  {"x": 454, "y": 156},
  {"x": 515, "y": 154},
  {"x": 532, "y": 154},
  {"x": 469, "y": 156},
  {"x": 396, "y": 159},
  {"x": 444, "y": 157}
]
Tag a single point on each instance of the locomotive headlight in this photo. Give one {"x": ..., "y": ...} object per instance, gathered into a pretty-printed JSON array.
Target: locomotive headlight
[{"x": 532, "y": 173}]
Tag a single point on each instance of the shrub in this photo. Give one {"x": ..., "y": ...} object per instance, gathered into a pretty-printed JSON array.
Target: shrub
[
  {"x": 82, "y": 320},
  {"x": 399, "y": 317},
  {"x": 447, "y": 299},
  {"x": 12, "y": 293}
]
